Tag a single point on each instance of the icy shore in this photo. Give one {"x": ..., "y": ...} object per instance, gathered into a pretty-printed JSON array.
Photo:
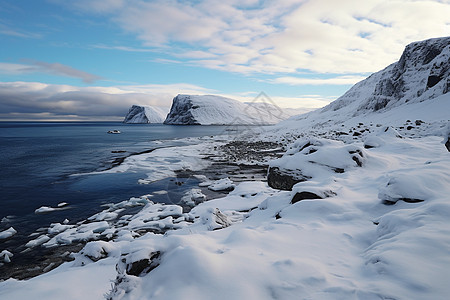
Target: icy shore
[{"x": 356, "y": 239}]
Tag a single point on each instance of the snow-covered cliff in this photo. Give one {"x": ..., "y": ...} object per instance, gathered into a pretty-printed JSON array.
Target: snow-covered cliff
[
  {"x": 217, "y": 110},
  {"x": 145, "y": 114},
  {"x": 415, "y": 87},
  {"x": 421, "y": 74}
]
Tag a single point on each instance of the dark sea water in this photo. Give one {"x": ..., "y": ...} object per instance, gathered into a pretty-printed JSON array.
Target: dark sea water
[{"x": 38, "y": 159}]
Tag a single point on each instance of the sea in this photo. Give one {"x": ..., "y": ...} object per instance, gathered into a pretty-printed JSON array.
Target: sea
[{"x": 38, "y": 161}]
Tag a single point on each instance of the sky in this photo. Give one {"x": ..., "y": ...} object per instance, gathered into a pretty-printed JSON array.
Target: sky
[{"x": 92, "y": 60}]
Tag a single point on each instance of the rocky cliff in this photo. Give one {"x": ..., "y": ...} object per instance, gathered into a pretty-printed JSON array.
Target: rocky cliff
[{"x": 145, "y": 114}]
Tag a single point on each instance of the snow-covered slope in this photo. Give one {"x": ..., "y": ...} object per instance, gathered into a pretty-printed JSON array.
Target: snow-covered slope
[
  {"x": 421, "y": 74},
  {"x": 416, "y": 86},
  {"x": 145, "y": 114},
  {"x": 217, "y": 110}
]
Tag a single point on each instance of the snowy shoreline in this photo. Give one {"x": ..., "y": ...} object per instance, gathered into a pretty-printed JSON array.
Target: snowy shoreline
[
  {"x": 55, "y": 249},
  {"x": 252, "y": 226},
  {"x": 355, "y": 206}
]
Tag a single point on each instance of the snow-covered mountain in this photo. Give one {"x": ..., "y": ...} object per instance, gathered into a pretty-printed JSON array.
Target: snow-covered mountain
[
  {"x": 421, "y": 74},
  {"x": 217, "y": 110},
  {"x": 145, "y": 114},
  {"x": 416, "y": 86}
]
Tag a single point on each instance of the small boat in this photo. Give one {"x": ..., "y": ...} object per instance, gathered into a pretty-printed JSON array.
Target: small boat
[{"x": 114, "y": 131}]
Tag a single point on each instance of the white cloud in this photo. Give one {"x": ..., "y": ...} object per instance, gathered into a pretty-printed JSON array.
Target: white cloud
[
  {"x": 64, "y": 70},
  {"x": 15, "y": 32},
  {"x": 339, "y": 80},
  {"x": 13, "y": 69},
  {"x": 123, "y": 48},
  {"x": 34, "y": 66},
  {"x": 324, "y": 36}
]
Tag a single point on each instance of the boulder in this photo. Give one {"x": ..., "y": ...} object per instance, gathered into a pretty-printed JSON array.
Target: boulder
[{"x": 284, "y": 179}]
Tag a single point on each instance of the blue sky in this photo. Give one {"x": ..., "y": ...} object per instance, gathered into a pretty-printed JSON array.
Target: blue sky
[{"x": 85, "y": 59}]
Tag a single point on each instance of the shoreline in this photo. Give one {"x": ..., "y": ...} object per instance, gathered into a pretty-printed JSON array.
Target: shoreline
[{"x": 40, "y": 259}]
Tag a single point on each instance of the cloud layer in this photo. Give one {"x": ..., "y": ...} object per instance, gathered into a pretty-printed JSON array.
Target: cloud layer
[
  {"x": 286, "y": 36},
  {"x": 39, "y": 101},
  {"x": 33, "y": 100},
  {"x": 35, "y": 66}
]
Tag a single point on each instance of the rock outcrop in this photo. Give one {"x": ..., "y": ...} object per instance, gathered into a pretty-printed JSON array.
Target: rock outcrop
[{"x": 145, "y": 114}]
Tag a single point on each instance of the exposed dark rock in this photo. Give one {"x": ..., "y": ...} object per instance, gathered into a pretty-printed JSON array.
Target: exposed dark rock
[
  {"x": 407, "y": 200},
  {"x": 357, "y": 160},
  {"x": 433, "y": 80},
  {"x": 284, "y": 179},
  {"x": 144, "y": 114},
  {"x": 419, "y": 122},
  {"x": 144, "y": 266},
  {"x": 304, "y": 195},
  {"x": 180, "y": 112},
  {"x": 341, "y": 133},
  {"x": 305, "y": 146},
  {"x": 447, "y": 144},
  {"x": 251, "y": 151},
  {"x": 409, "y": 127},
  {"x": 338, "y": 170},
  {"x": 430, "y": 54},
  {"x": 312, "y": 150}
]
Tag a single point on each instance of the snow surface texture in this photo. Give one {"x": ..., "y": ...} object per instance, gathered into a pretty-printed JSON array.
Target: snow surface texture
[
  {"x": 377, "y": 230},
  {"x": 255, "y": 244},
  {"x": 217, "y": 110},
  {"x": 146, "y": 114}
]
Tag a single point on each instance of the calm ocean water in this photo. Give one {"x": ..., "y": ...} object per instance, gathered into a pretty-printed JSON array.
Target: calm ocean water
[{"x": 37, "y": 160}]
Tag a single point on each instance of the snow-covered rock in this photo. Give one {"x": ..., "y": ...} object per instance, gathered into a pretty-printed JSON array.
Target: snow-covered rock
[
  {"x": 217, "y": 110},
  {"x": 7, "y": 233},
  {"x": 311, "y": 158},
  {"x": 193, "y": 197},
  {"x": 6, "y": 256},
  {"x": 145, "y": 114},
  {"x": 224, "y": 184}
]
